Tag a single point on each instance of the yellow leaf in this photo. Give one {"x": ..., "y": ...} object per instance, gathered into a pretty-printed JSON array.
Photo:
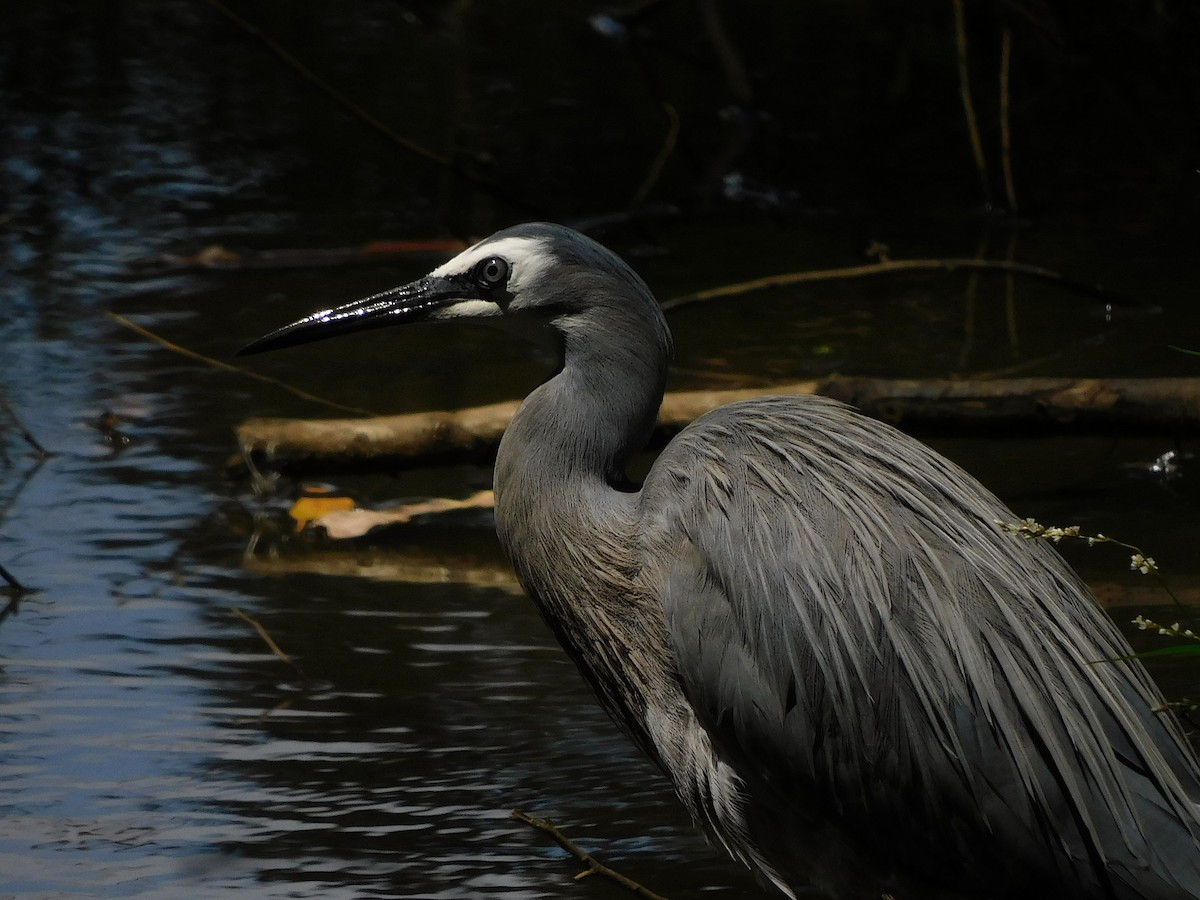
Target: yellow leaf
[{"x": 308, "y": 508}]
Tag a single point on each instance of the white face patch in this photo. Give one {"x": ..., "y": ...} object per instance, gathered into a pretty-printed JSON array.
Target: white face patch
[
  {"x": 527, "y": 258},
  {"x": 466, "y": 309}
]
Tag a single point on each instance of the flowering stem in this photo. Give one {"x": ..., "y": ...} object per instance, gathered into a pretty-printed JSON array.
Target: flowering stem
[{"x": 1138, "y": 560}]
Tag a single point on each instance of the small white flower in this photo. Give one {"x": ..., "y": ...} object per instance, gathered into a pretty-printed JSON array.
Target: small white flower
[{"x": 1143, "y": 564}]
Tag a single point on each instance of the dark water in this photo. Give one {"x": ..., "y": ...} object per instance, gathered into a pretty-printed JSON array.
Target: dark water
[{"x": 150, "y": 742}]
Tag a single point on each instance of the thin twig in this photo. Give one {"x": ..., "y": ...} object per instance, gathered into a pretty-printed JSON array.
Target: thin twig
[
  {"x": 12, "y": 607},
  {"x": 727, "y": 55},
  {"x": 970, "y": 298},
  {"x": 364, "y": 116},
  {"x": 270, "y": 642},
  {"x": 594, "y": 866},
  {"x": 25, "y": 433},
  {"x": 18, "y": 591},
  {"x": 12, "y": 581},
  {"x": 899, "y": 265},
  {"x": 1010, "y": 299},
  {"x": 317, "y": 81},
  {"x": 26, "y": 477},
  {"x": 656, "y": 167},
  {"x": 227, "y": 367},
  {"x": 1010, "y": 190},
  {"x": 964, "y": 87}
]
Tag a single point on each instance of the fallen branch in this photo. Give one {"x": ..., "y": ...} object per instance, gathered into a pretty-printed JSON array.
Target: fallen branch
[
  {"x": 430, "y": 438},
  {"x": 891, "y": 266},
  {"x": 1015, "y": 405},
  {"x": 414, "y": 439},
  {"x": 594, "y": 866},
  {"x": 1028, "y": 405}
]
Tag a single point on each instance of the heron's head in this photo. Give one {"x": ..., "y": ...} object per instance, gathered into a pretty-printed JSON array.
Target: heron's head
[{"x": 540, "y": 275}]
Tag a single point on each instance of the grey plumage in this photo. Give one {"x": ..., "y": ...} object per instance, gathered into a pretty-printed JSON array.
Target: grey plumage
[{"x": 810, "y": 621}]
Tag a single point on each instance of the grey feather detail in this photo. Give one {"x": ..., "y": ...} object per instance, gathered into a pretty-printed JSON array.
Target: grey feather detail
[{"x": 923, "y": 638}]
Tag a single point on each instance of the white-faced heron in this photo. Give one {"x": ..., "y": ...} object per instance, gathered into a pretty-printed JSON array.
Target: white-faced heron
[{"x": 812, "y": 623}]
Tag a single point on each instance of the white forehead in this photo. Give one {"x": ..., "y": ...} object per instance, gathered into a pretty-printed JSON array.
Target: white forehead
[{"x": 526, "y": 257}]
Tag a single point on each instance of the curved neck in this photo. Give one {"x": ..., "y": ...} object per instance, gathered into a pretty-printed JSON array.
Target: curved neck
[
  {"x": 570, "y": 532},
  {"x": 586, "y": 422},
  {"x": 560, "y": 480}
]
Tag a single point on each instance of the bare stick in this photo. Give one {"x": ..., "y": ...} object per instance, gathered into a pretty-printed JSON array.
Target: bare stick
[
  {"x": 366, "y": 117},
  {"x": 224, "y": 366},
  {"x": 594, "y": 866},
  {"x": 11, "y": 607},
  {"x": 12, "y": 581},
  {"x": 727, "y": 55},
  {"x": 18, "y": 591},
  {"x": 270, "y": 641},
  {"x": 1010, "y": 190},
  {"x": 1010, "y": 296},
  {"x": 25, "y": 433},
  {"x": 312, "y": 77},
  {"x": 964, "y": 87},
  {"x": 970, "y": 298},
  {"x": 660, "y": 161},
  {"x": 891, "y": 266}
]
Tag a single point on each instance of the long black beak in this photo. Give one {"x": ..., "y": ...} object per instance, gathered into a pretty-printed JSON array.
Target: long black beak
[{"x": 410, "y": 303}]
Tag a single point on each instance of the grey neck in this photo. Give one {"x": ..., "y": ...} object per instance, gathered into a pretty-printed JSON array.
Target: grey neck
[
  {"x": 585, "y": 423},
  {"x": 571, "y": 532}
]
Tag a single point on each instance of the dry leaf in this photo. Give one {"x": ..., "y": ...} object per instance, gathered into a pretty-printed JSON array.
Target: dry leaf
[
  {"x": 341, "y": 524},
  {"x": 312, "y": 506}
]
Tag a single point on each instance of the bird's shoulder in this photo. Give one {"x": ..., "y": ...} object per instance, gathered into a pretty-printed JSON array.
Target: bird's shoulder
[
  {"x": 844, "y": 610},
  {"x": 799, "y": 450}
]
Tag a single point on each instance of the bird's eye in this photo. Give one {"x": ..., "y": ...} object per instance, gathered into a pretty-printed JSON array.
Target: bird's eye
[{"x": 491, "y": 273}]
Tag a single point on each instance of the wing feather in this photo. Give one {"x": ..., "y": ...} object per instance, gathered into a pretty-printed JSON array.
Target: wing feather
[{"x": 862, "y": 644}]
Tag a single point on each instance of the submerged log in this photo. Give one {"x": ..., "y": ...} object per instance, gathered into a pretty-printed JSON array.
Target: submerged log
[
  {"x": 445, "y": 437},
  {"x": 1025, "y": 406},
  {"x": 1028, "y": 405},
  {"x": 409, "y": 565},
  {"x": 423, "y": 565}
]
